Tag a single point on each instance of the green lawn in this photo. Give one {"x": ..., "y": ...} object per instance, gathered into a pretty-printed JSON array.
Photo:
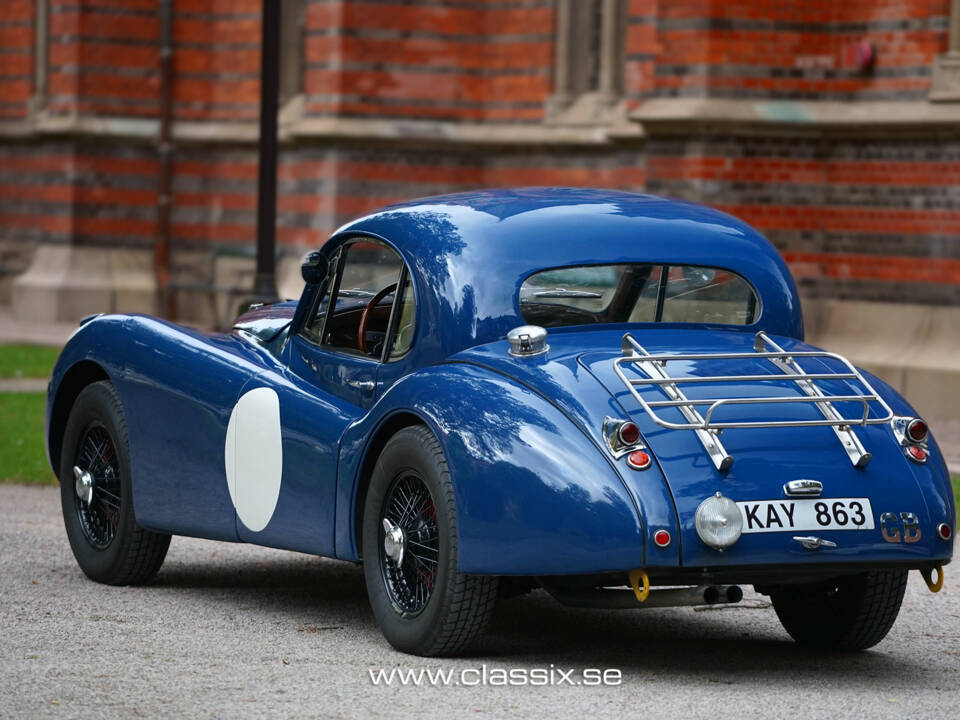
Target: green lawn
[
  {"x": 27, "y": 361},
  {"x": 22, "y": 458}
]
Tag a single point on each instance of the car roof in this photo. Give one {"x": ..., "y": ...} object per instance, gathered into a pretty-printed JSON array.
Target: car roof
[{"x": 470, "y": 252}]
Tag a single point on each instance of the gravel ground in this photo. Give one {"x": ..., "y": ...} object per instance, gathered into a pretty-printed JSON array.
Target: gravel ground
[{"x": 238, "y": 631}]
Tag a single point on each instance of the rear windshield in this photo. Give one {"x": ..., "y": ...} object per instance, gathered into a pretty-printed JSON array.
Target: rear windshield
[{"x": 637, "y": 293}]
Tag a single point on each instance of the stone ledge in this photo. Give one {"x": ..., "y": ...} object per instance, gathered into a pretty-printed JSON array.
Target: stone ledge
[
  {"x": 914, "y": 348},
  {"x": 308, "y": 129},
  {"x": 684, "y": 115}
]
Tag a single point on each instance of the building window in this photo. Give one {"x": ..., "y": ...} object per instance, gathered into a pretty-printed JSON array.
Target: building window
[{"x": 588, "y": 68}]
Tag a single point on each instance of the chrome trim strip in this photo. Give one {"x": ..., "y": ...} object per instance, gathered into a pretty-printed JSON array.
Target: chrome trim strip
[
  {"x": 812, "y": 542},
  {"x": 803, "y": 488}
]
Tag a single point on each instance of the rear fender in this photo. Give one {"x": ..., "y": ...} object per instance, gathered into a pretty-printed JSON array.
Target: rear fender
[
  {"x": 534, "y": 495},
  {"x": 933, "y": 477}
]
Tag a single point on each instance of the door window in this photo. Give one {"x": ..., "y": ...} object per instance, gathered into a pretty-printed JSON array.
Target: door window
[{"x": 360, "y": 307}]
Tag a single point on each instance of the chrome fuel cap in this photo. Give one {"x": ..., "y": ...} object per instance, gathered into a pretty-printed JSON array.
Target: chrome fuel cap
[{"x": 527, "y": 340}]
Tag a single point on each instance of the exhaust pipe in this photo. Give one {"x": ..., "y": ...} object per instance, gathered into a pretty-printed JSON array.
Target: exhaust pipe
[
  {"x": 616, "y": 599},
  {"x": 715, "y": 594}
]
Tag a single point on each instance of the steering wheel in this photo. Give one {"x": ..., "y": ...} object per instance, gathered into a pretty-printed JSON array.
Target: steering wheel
[{"x": 367, "y": 313}]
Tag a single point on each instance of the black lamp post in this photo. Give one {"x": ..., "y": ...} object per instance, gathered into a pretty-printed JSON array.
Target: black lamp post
[{"x": 265, "y": 280}]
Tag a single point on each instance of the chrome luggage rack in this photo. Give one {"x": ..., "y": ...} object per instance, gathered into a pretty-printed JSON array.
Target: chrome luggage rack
[{"x": 708, "y": 430}]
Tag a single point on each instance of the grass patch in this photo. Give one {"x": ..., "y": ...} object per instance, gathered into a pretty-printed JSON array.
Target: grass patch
[
  {"x": 956, "y": 491},
  {"x": 27, "y": 361},
  {"x": 22, "y": 457}
]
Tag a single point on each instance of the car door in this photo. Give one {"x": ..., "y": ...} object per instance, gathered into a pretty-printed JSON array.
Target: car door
[
  {"x": 178, "y": 393},
  {"x": 326, "y": 383}
]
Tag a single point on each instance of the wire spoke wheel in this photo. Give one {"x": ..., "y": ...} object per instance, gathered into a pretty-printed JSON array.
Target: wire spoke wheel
[
  {"x": 100, "y": 516},
  {"x": 422, "y": 603},
  {"x": 409, "y": 544}
]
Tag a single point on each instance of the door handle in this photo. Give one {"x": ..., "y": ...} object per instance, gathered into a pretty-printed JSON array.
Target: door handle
[{"x": 365, "y": 386}]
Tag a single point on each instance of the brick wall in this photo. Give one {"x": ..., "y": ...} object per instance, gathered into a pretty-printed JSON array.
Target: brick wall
[
  {"x": 471, "y": 60},
  {"x": 867, "y": 219},
  {"x": 102, "y": 58},
  {"x": 795, "y": 49},
  {"x": 320, "y": 188},
  {"x": 16, "y": 57},
  {"x": 396, "y": 99}
]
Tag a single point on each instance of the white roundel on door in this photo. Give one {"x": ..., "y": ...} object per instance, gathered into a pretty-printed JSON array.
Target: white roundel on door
[{"x": 253, "y": 456}]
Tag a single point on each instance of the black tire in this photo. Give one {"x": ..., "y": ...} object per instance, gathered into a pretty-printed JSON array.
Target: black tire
[
  {"x": 107, "y": 542},
  {"x": 457, "y": 607},
  {"x": 847, "y": 613}
]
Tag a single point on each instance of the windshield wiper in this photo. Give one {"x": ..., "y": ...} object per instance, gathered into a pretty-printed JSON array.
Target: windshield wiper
[
  {"x": 355, "y": 292},
  {"x": 564, "y": 293}
]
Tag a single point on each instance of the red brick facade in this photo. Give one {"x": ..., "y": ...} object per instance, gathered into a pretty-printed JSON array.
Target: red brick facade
[{"x": 758, "y": 107}]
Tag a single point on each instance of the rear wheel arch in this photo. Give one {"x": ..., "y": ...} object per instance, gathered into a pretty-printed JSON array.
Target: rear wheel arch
[
  {"x": 387, "y": 429},
  {"x": 79, "y": 376}
]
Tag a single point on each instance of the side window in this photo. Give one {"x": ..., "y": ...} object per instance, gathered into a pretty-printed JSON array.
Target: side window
[
  {"x": 314, "y": 327},
  {"x": 405, "y": 312},
  {"x": 354, "y": 316}
]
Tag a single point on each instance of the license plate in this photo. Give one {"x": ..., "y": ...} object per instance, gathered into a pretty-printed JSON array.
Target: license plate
[{"x": 763, "y": 516}]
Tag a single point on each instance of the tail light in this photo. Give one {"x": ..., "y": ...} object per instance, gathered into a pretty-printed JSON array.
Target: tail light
[
  {"x": 917, "y": 431},
  {"x": 916, "y": 453},
  {"x": 628, "y": 433},
  {"x": 638, "y": 460}
]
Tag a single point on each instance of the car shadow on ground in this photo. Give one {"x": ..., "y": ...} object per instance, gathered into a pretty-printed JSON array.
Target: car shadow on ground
[
  {"x": 728, "y": 646},
  {"x": 732, "y": 645}
]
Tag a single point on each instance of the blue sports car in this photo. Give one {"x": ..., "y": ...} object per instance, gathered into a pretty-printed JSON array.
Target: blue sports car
[{"x": 602, "y": 394}]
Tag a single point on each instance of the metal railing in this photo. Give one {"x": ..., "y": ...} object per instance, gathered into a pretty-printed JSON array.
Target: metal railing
[{"x": 708, "y": 428}]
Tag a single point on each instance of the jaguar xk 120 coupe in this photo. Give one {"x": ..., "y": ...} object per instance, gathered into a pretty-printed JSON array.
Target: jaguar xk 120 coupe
[{"x": 601, "y": 394}]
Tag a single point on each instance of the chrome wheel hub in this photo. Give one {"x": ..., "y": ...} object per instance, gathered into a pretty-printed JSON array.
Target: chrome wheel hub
[
  {"x": 394, "y": 541},
  {"x": 83, "y": 485}
]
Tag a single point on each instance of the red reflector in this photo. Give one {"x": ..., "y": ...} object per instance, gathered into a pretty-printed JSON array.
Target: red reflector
[
  {"x": 917, "y": 430},
  {"x": 661, "y": 538},
  {"x": 638, "y": 460},
  {"x": 943, "y": 530},
  {"x": 629, "y": 433},
  {"x": 917, "y": 453}
]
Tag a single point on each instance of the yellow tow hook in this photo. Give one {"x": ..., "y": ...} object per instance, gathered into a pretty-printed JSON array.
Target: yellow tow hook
[
  {"x": 638, "y": 575},
  {"x": 927, "y": 575}
]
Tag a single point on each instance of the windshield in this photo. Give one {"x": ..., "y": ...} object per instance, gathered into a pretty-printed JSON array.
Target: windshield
[{"x": 637, "y": 293}]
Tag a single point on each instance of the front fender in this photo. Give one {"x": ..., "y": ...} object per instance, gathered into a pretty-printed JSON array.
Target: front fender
[
  {"x": 90, "y": 344},
  {"x": 534, "y": 495}
]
